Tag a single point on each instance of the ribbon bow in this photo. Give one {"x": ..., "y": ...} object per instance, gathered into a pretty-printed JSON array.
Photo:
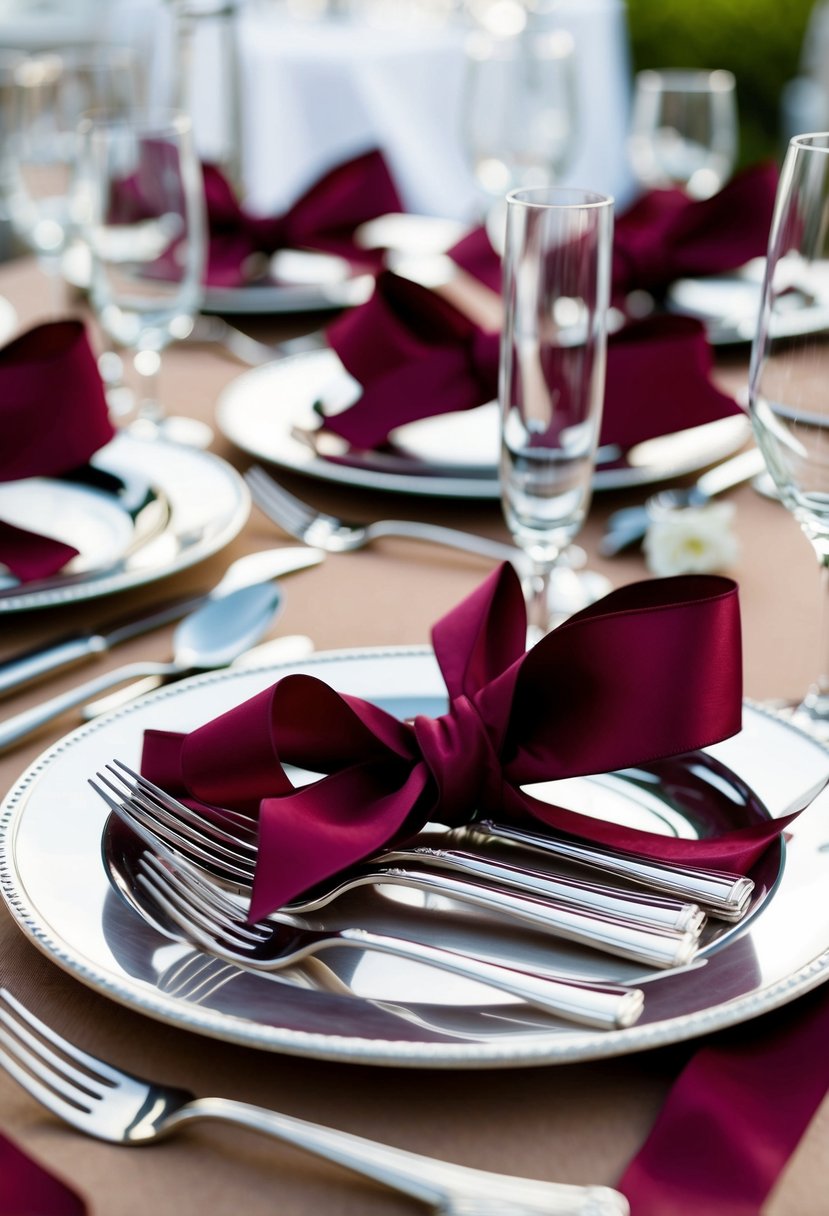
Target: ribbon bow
[
  {"x": 323, "y": 218},
  {"x": 54, "y": 415},
  {"x": 665, "y": 235},
  {"x": 597, "y": 694},
  {"x": 417, "y": 356}
]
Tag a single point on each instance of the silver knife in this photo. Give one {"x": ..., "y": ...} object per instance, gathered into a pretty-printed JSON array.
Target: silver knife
[{"x": 259, "y": 567}]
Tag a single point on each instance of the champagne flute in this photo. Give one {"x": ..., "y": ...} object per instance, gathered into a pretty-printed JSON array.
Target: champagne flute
[
  {"x": 556, "y": 295},
  {"x": 140, "y": 200},
  {"x": 683, "y": 130},
  {"x": 789, "y": 376},
  {"x": 48, "y": 94}
]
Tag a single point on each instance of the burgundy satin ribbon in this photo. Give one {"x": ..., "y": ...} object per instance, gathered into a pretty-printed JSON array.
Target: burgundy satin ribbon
[
  {"x": 324, "y": 218},
  {"x": 416, "y": 356},
  {"x": 666, "y": 236},
  {"x": 54, "y": 416},
  {"x": 734, "y": 1116},
  {"x": 597, "y": 694},
  {"x": 26, "y": 1189}
]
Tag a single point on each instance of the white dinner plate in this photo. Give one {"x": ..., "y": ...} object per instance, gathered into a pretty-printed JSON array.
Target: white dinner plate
[
  {"x": 90, "y": 519},
  {"x": 318, "y": 283},
  {"x": 729, "y": 305},
  {"x": 198, "y": 504},
  {"x": 355, "y": 1006},
  {"x": 8, "y": 320},
  {"x": 265, "y": 412}
]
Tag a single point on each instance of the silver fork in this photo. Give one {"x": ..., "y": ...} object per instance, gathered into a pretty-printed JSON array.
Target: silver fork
[
  {"x": 339, "y": 536},
  {"x": 615, "y": 921},
  {"x": 109, "y": 1104},
  {"x": 208, "y": 917}
]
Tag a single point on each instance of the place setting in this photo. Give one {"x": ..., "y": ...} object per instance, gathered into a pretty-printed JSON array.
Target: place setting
[{"x": 487, "y": 814}]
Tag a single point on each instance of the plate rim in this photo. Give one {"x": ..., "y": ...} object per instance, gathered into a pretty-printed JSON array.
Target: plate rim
[
  {"x": 430, "y": 485},
  {"x": 95, "y": 587},
  {"x": 579, "y": 1046}
]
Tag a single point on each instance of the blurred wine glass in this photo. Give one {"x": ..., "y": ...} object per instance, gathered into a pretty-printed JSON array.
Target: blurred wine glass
[
  {"x": 140, "y": 200},
  {"x": 518, "y": 113},
  {"x": 47, "y": 95},
  {"x": 683, "y": 130},
  {"x": 789, "y": 375},
  {"x": 556, "y": 294}
]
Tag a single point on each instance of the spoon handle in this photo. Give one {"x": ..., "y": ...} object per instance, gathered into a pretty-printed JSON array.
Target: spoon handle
[{"x": 19, "y": 727}]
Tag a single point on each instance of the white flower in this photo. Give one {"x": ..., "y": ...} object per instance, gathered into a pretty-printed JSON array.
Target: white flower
[{"x": 693, "y": 540}]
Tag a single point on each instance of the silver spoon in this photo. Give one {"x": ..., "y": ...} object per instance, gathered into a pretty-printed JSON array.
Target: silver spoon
[{"x": 208, "y": 638}]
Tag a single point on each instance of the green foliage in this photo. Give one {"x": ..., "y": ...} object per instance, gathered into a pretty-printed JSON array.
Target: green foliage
[{"x": 760, "y": 41}]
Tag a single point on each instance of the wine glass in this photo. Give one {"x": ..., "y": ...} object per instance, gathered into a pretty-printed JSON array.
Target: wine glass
[
  {"x": 683, "y": 130},
  {"x": 789, "y": 375},
  {"x": 556, "y": 294},
  {"x": 140, "y": 200},
  {"x": 47, "y": 95},
  {"x": 518, "y": 110}
]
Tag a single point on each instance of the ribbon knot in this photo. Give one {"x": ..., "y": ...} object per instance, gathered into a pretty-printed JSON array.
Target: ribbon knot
[
  {"x": 461, "y": 760},
  {"x": 597, "y": 694}
]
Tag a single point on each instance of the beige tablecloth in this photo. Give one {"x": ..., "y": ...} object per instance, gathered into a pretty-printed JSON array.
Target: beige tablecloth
[{"x": 577, "y": 1123}]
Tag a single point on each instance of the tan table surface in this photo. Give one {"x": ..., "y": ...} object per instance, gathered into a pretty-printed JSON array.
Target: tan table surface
[{"x": 577, "y": 1123}]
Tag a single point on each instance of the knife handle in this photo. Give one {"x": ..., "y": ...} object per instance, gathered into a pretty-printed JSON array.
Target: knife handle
[
  {"x": 25, "y": 668},
  {"x": 19, "y": 727}
]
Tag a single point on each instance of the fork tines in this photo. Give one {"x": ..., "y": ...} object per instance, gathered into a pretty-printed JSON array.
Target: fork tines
[
  {"x": 282, "y": 508},
  {"x": 169, "y": 826}
]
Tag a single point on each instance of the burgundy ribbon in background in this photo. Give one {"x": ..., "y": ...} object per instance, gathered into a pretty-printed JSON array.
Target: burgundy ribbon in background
[
  {"x": 416, "y": 356},
  {"x": 324, "y": 218},
  {"x": 54, "y": 416},
  {"x": 596, "y": 694},
  {"x": 27, "y": 1189}
]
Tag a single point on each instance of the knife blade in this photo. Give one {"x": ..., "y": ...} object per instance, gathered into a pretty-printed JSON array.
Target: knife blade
[{"x": 40, "y": 661}]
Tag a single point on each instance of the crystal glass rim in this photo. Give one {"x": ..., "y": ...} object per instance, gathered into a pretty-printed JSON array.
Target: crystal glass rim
[
  {"x": 143, "y": 121},
  {"x": 805, "y": 141},
  {"x": 561, "y": 198},
  {"x": 698, "y": 80}
]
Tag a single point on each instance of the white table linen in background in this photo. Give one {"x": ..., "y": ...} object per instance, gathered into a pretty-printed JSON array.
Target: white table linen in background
[{"x": 314, "y": 93}]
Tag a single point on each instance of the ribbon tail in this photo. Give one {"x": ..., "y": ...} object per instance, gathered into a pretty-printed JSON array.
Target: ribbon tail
[{"x": 310, "y": 835}]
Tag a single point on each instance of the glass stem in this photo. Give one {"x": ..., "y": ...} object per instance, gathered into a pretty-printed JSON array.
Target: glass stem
[
  {"x": 537, "y": 597},
  {"x": 821, "y": 687},
  {"x": 148, "y": 365}
]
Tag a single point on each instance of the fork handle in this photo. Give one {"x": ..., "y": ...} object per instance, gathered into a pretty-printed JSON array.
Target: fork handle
[
  {"x": 442, "y": 1184},
  {"x": 591, "y": 1003},
  {"x": 454, "y": 538}
]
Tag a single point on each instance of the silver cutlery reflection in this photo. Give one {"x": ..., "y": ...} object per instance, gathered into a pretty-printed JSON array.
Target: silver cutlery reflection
[
  {"x": 109, "y": 1104},
  {"x": 338, "y": 536},
  {"x": 208, "y": 638},
  {"x": 258, "y": 567},
  {"x": 208, "y": 917},
  {"x": 171, "y": 829},
  {"x": 722, "y": 894},
  {"x": 230, "y": 855},
  {"x": 629, "y": 524}
]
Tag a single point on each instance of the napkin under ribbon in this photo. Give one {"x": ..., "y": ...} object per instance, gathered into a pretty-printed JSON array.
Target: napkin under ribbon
[
  {"x": 416, "y": 355},
  {"x": 54, "y": 416},
  {"x": 597, "y": 694},
  {"x": 324, "y": 218},
  {"x": 666, "y": 236}
]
